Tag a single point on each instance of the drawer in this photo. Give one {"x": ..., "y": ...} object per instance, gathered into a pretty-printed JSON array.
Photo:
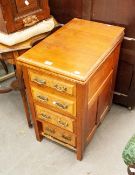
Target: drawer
[
  {"x": 55, "y": 118},
  {"x": 23, "y": 5},
  {"x": 60, "y": 103},
  {"x": 46, "y": 81},
  {"x": 59, "y": 134},
  {"x": 100, "y": 75}
]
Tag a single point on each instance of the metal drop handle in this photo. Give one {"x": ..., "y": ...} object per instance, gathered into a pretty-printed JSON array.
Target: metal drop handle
[
  {"x": 62, "y": 123},
  {"x": 66, "y": 137},
  {"x": 50, "y": 130},
  {"x": 45, "y": 116},
  {"x": 38, "y": 81},
  {"x": 60, "y": 88},
  {"x": 60, "y": 105},
  {"x": 42, "y": 98}
]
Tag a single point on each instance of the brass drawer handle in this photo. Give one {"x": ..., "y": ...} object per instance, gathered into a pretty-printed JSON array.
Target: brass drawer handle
[
  {"x": 38, "y": 81},
  {"x": 42, "y": 98},
  {"x": 62, "y": 123},
  {"x": 52, "y": 131},
  {"x": 66, "y": 137},
  {"x": 60, "y": 88},
  {"x": 45, "y": 116},
  {"x": 30, "y": 20},
  {"x": 60, "y": 105}
]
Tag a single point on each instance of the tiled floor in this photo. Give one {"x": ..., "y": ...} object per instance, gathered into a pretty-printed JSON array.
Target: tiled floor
[{"x": 21, "y": 154}]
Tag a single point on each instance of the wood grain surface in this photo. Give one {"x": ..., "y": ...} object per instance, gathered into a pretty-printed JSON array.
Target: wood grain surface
[{"x": 76, "y": 49}]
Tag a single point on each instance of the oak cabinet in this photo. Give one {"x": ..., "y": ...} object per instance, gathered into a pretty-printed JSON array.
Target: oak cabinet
[{"x": 70, "y": 79}]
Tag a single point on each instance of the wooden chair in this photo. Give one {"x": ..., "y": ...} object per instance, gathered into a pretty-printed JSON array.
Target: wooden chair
[{"x": 10, "y": 54}]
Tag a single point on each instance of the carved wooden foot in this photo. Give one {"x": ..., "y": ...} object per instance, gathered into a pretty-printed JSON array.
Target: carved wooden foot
[{"x": 5, "y": 90}]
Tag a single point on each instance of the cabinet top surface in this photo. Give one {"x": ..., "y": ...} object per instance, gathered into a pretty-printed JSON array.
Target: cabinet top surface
[{"x": 76, "y": 49}]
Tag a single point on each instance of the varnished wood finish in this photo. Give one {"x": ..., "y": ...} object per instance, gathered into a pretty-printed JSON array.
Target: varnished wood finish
[
  {"x": 96, "y": 49},
  {"x": 55, "y": 118},
  {"x": 52, "y": 82},
  {"x": 16, "y": 14},
  {"x": 58, "y": 141},
  {"x": 59, "y": 134},
  {"x": 82, "y": 55},
  {"x": 58, "y": 102}
]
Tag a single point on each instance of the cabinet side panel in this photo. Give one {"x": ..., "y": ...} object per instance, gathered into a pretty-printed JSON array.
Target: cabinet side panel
[
  {"x": 91, "y": 123},
  {"x": 104, "y": 99}
]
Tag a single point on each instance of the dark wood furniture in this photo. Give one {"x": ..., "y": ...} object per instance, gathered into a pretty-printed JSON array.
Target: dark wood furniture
[
  {"x": 122, "y": 13},
  {"x": 65, "y": 10},
  {"x": 18, "y": 14},
  {"x": 125, "y": 86},
  {"x": 70, "y": 78},
  {"x": 117, "y": 12}
]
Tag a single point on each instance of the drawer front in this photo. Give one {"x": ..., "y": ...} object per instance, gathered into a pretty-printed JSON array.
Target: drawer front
[
  {"x": 100, "y": 75},
  {"x": 60, "y": 103},
  {"x": 55, "y": 118},
  {"x": 58, "y": 85},
  {"x": 23, "y": 5},
  {"x": 59, "y": 134}
]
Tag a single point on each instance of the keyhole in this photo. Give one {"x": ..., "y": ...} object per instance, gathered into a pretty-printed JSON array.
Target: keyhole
[{"x": 26, "y": 2}]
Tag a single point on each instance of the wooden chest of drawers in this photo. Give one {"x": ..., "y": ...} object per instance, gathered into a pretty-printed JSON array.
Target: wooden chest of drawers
[
  {"x": 70, "y": 79},
  {"x": 18, "y": 14}
]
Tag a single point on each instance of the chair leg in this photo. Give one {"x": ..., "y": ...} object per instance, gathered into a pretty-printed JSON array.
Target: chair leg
[
  {"x": 131, "y": 170},
  {"x": 5, "y": 90},
  {"x": 4, "y": 66}
]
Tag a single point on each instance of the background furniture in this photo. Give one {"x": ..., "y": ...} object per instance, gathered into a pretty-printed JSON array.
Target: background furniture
[
  {"x": 117, "y": 12},
  {"x": 69, "y": 102},
  {"x": 18, "y": 14}
]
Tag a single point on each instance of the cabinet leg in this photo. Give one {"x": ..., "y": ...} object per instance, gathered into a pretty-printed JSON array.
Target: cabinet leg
[
  {"x": 38, "y": 130},
  {"x": 26, "y": 107},
  {"x": 79, "y": 155},
  {"x": 39, "y": 137},
  {"x": 21, "y": 87}
]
